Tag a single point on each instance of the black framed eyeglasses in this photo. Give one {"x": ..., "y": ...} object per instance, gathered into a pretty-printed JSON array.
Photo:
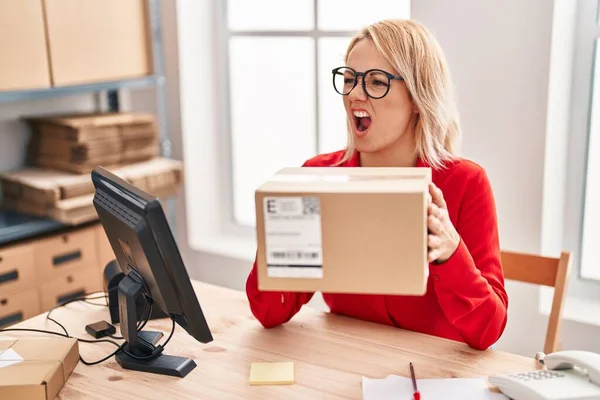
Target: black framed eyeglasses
[{"x": 375, "y": 82}]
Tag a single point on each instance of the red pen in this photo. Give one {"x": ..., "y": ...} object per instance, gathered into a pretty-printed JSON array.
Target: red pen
[{"x": 416, "y": 394}]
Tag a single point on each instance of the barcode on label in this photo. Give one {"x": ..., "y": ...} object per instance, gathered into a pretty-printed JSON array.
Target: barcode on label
[
  {"x": 311, "y": 206},
  {"x": 294, "y": 255}
]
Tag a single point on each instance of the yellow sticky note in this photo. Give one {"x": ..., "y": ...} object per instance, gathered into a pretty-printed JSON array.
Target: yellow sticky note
[{"x": 276, "y": 373}]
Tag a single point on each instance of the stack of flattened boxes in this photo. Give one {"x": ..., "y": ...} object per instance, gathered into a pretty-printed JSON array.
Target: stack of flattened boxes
[
  {"x": 78, "y": 143},
  {"x": 36, "y": 274},
  {"x": 64, "y": 150}
]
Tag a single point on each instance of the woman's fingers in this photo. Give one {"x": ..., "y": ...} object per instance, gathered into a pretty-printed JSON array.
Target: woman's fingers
[
  {"x": 433, "y": 241},
  {"x": 434, "y": 210},
  {"x": 432, "y": 255},
  {"x": 434, "y": 225},
  {"x": 436, "y": 196}
]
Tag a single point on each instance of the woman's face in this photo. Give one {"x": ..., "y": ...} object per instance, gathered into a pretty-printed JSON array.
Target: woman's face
[{"x": 378, "y": 124}]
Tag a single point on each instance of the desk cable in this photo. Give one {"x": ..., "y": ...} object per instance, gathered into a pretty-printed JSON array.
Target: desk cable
[{"x": 120, "y": 347}]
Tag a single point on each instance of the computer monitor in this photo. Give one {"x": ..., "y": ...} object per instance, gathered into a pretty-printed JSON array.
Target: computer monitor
[{"x": 146, "y": 252}]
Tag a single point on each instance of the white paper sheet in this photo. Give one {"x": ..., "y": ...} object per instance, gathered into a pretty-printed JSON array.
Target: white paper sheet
[
  {"x": 397, "y": 387},
  {"x": 9, "y": 357}
]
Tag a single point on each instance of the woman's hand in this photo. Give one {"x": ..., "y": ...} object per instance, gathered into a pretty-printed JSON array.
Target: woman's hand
[{"x": 443, "y": 239}]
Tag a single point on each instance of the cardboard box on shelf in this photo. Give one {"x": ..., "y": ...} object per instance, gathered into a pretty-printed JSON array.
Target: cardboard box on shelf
[
  {"x": 97, "y": 151},
  {"x": 68, "y": 197},
  {"x": 23, "y": 46},
  {"x": 83, "y": 50},
  {"x": 36, "y": 368},
  {"x": 79, "y": 142},
  {"x": 16, "y": 269},
  {"x": 17, "y": 307},
  {"x": 91, "y": 127},
  {"x": 345, "y": 230}
]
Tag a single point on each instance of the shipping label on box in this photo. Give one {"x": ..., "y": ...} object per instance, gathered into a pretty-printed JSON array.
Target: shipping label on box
[{"x": 293, "y": 237}]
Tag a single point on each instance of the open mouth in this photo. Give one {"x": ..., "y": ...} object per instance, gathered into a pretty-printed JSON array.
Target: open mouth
[{"x": 362, "y": 120}]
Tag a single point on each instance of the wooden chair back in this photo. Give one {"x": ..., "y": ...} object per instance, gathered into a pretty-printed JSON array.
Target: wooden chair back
[{"x": 546, "y": 271}]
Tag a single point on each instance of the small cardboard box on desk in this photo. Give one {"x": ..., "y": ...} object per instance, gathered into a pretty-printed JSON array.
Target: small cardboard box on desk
[
  {"x": 36, "y": 368},
  {"x": 344, "y": 230}
]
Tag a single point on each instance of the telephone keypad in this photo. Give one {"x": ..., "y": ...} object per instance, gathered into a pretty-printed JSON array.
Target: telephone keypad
[{"x": 538, "y": 375}]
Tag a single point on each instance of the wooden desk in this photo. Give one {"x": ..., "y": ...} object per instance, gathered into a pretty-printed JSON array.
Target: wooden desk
[{"x": 331, "y": 354}]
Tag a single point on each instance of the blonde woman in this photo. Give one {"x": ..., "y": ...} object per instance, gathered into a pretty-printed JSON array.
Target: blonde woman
[{"x": 398, "y": 97}]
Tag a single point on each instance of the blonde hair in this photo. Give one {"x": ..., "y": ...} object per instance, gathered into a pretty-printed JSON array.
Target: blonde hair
[{"x": 416, "y": 55}]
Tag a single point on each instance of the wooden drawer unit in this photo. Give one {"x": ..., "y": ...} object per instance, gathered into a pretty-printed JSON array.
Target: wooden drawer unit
[
  {"x": 62, "y": 255},
  {"x": 68, "y": 287},
  {"x": 16, "y": 269},
  {"x": 18, "y": 307}
]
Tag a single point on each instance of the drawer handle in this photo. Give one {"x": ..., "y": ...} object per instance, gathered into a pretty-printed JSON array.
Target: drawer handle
[
  {"x": 9, "y": 276},
  {"x": 57, "y": 260},
  {"x": 11, "y": 319},
  {"x": 70, "y": 296}
]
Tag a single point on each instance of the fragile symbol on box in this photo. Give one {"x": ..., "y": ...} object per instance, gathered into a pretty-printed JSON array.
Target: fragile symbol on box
[{"x": 293, "y": 237}]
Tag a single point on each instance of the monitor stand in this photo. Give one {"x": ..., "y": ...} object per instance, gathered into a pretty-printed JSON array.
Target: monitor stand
[{"x": 143, "y": 344}]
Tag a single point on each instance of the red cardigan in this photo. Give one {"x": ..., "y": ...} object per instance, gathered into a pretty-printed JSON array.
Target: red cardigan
[{"x": 465, "y": 300}]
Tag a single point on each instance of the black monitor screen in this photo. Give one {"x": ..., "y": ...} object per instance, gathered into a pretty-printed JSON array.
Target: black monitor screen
[{"x": 141, "y": 239}]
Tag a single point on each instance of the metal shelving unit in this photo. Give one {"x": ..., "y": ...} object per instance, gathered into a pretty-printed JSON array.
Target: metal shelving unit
[
  {"x": 33, "y": 94},
  {"x": 16, "y": 226}
]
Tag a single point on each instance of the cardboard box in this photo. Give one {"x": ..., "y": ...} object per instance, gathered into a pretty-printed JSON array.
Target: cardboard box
[
  {"x": 16, "y": 269},
  {"x": 39, "y": 367},
  {"x": 75, "y": 285},
  {"x": 86, "y": 167},
  {"x": 94, "y": 152},
  {"x": 43, "y": 186},
  {"x": 345, "y": 230},
  {"x": 93, "y": 41},
  {"x": 94, "y": 127},
  {"x": 63, "y": 255},
  {"x": 17, "y": 307},
  {"x": 75, "y": 211},
  {"x": 80, "y": 142},
  {"x": 23, "y": 46}
]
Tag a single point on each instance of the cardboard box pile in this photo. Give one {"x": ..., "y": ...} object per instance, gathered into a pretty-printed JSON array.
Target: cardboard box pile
[
  {"x": 80, "y": 142},
  {"x": 67, "y": 197},
  {"x": 36, "y": 368},
  {"x": 345, "y": 230}
]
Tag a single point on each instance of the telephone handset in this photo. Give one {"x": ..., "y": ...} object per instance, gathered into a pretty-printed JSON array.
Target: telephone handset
[{"x": 569, "y": 375}]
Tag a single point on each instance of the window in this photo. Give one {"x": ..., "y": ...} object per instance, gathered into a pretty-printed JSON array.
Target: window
[
  {"x": 590, "y": 236},
  {"x": 280, "y": 106},
  {"x": 583, "y": 179}
]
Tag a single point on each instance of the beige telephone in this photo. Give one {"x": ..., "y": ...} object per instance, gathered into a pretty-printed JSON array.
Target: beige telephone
[{"x": 569, "y": 375}]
